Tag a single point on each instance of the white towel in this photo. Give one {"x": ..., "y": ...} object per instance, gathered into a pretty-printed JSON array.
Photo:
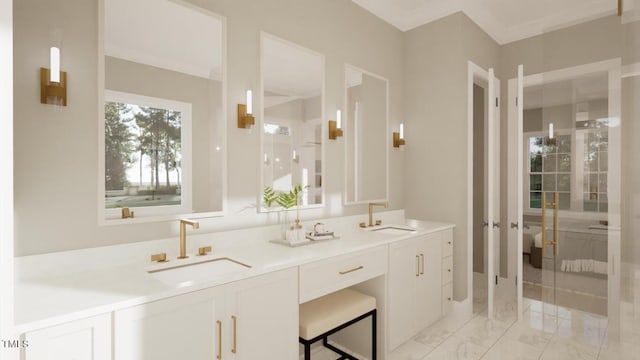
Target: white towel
[
  {"x": 537, "y": 240},
  {"x": 600, "y": 267},
  {"x": 586, "y": 265}
]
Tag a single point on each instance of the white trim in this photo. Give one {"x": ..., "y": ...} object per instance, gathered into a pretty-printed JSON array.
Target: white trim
[
  {"x": 6, "y": 175},
  {"x": 260, "y": 125},
  {"x": 387, "y": 141},
  {"x": 186, "y": 155}
]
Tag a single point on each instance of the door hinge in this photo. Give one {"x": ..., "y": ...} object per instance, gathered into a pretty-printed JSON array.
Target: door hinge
[
  {"x": 496, "y": 279},
  {"x": 516, "y": 280},
  {"x": 497, "y": 102},
  {"x": 516, "y": 101}
]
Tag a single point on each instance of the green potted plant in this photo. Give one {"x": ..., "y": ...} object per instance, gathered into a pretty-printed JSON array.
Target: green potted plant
[{"x": 293, "y": 233}]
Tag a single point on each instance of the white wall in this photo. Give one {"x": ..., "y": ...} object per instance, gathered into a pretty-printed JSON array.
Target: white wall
[
  {"x": 56, "y": 149},
  {"x": 6, "y": 175},
  {"x": 435, "y": 176}
]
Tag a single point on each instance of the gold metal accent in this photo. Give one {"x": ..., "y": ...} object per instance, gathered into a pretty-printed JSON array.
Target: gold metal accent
[
  {"x": 422, "y": 262},
  {"x": 417, "y": 265},
  {"x": 351, "y": 270},
  {"x": 371, "y": 205},
  {"x": 555, "y": 204},
  {"x": 162, "y": 257},
  {"x": 183, "y": 235},
  {"x": 245, "y": 120},
  {"x": 397, "y": 142},
  {"x": 378, "y": 222},
  {"x": 52, "y": 92},
  {"x": 126, "y": 213},
  {"x": 619, "y": 7},
  {"x": 363, "y": 225},
  {"x": 334, "y": 132},
  {"x": 204, "y": 250},
  {"x": 219, "y": 355},
  {"x": 234, "y": 319}
]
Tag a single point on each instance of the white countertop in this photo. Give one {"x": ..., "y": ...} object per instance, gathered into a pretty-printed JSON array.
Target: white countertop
[{"x": 60, "y": 287}]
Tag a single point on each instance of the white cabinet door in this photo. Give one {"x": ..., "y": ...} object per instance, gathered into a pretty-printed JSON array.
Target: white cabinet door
[
  {"x": 429, "y": 285},
  {"x": 404, "y": 271},
  {"x": 263, "y": 313},
  {"x": 182, "y": 327},
  {"x": 86, "y": 339}
]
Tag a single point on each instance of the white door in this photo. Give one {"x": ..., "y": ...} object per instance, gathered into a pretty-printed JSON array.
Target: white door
[
  {"x": 263, "y": 317},
  {"x": 87, "y": 339},
  {"x": 190, "y": 326},
  {"x": 492, "y": 198},
  {"x": 404, "y": 272}
]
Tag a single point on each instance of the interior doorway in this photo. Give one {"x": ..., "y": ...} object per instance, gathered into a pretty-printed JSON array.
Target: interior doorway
[{"x": 484, "y": 212}]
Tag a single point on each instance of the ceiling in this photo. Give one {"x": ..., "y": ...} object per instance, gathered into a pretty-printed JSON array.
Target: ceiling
[{"x": 504, "y": 20}]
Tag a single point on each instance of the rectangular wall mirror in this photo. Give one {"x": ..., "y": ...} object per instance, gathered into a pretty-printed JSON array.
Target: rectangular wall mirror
[
  {"x": 367, "y": 136},
  {"x": 291, "y": 127},
  {"x": 162, "y": 134}
]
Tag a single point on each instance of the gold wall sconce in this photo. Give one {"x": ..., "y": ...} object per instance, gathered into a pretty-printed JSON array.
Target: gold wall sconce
[
  {"x": 245, "y": 113},
  {"x": 53, "y": 82},
  {"x": 127, "y": 213},
  {"x": 398, "y": 137},
  {"x": 335, "y": 126}
]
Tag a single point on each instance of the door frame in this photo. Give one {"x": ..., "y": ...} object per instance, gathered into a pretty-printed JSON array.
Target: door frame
[
  {"x": 515, "y": 163},
  {"x": 6, "y": 176},
  {"x": 477, "y": 74}
]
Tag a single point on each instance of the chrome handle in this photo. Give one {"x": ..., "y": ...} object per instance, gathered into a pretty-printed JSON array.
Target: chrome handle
[
  {"x": 422, "y": 261},
  {"x": 485, "y": 223},
  {"x": 514, "y": 225},
  {"x": 235, "y": 323},
  {"x": 526, "y": 226},
  {"x": 417, "y": 265},
  {"x": 219, "y": 355},
  {"x": 351, "y": 270},
  {"x": 496, "y": 224}
]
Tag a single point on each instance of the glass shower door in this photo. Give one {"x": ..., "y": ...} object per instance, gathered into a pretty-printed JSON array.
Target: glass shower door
[{"x": 570, "y": 135}]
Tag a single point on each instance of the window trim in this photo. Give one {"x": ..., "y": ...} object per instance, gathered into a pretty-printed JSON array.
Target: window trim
[{"x": 155, "y": 213}]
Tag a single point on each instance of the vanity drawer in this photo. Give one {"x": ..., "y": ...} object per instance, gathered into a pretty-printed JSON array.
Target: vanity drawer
[
  {"x": 447, "y": 243},
  {"x": 329, "y": 275},
  {"x": 447, "y": 270},
  {"x": 447, "y": 298}
]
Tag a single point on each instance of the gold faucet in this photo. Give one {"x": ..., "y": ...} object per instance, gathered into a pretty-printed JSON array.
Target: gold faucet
[
  {"x": 371, "y": 205},
  {"x": 183, "y": 236}
]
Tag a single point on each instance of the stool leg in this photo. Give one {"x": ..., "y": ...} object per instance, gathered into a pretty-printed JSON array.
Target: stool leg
[
  {"x": 307, "y": 351},
  {"x": 374, "y": 347}
]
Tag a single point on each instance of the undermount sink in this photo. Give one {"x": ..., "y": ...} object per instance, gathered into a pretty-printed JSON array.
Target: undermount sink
[
  {"x": 198, "y": 271},
  {"x": 392, "y": 229}
]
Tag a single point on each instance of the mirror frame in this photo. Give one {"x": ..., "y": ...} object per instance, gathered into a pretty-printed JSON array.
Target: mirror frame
[
  {"x": 102, "y": 212},
  {"x": 260, "y": 124},
  {"x": 387, "y": 141}
]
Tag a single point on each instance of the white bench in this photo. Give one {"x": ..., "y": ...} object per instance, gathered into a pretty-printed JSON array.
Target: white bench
[{"x": 324, "y": 316}]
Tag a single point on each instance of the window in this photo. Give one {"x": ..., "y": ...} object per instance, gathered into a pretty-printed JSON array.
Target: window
[
  {"x": 580, "y": 180},
  {"x": 596, "y": 165},
  {"x": 146, "y": 162},
  {"x": 550, "y": 164}
]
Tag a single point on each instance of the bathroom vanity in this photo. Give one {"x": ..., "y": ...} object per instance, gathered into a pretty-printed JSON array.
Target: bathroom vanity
[{"x": 120, "y": 307}]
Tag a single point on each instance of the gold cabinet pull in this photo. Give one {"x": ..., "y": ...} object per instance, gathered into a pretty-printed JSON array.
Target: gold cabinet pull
[
  {"x": 219, "y": 355},
  {"x": 422, "y": 262},
  {"x": 351, "y": 270},
  {"x": 235, "y": 321},
  {"x": 417, "y": 265}
]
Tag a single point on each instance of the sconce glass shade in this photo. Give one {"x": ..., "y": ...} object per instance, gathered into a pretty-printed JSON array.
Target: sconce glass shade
[
  {"x": 551, "y": 134},
  {"x": 249, "y": 102},
  {"x": 338, "y": 119},
  {"x": 401, "y": 130},
  {"x": 54, "y": 64}
]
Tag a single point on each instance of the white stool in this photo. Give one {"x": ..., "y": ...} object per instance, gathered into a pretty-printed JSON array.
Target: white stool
[{"x": 331, "y": 313}]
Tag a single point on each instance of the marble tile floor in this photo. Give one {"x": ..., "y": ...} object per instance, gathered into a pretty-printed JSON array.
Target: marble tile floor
[{"x": 546, "y": 332}]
